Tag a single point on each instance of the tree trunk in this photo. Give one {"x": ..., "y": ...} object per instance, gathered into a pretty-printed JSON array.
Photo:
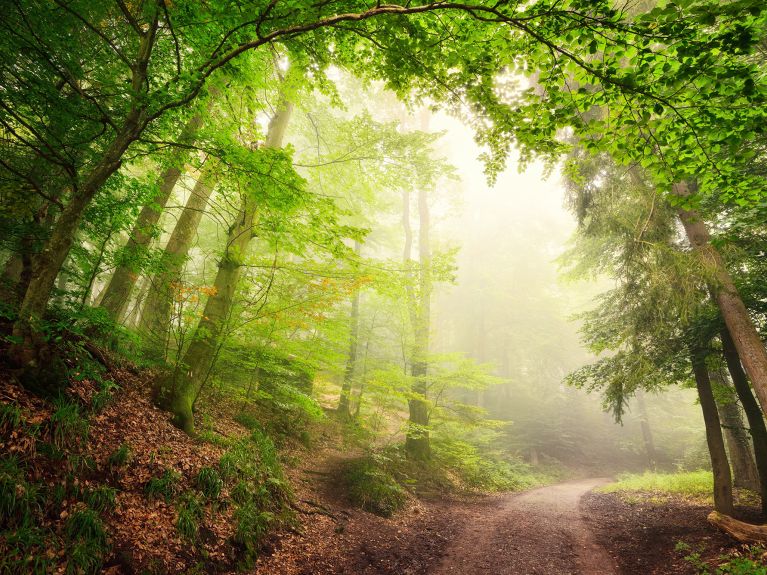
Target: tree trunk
[
  {"x": 118, "y": 290},
  {"x": 198, "y": 359},
  {"x": 417, "y": 443},
  {"x": 344, "y": 410},
  {"x": 47, "y": 264},
  {"x": 744, "y": 335},
  {"x": 644, "y": 424},
  {"x": 30, "y": 352},
  {"x": 155, "y": 316},
  {"x": 758, "y": 429},
  {"x": 714, "y": 439},
  {"x": 743, "y": 532},
  {"x": 744, "y": 473}
]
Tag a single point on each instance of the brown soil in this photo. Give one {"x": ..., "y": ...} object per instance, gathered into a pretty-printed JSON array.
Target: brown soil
[
  {"x": 642, "y": 534},
  {"x": 536, "y": 532}
]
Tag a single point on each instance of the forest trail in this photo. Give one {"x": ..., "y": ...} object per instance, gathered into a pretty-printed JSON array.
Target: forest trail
[{"x": 536, "y": 532}]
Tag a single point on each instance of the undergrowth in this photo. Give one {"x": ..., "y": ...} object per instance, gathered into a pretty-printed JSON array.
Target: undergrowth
[
  {"x": 748, "y": 560},
  {"x": 260, "y": 492},
  {"x": 372, "y": 488}
]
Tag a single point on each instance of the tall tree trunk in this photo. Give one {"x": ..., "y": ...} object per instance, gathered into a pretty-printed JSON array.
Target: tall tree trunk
[
  {"x": 756, "y": 423},
  {"x": 344, "y": 410},
  {"x": 644, "y": 424},
  {"x": 417, "y": 443},
  {"x": 749, "y": 345},
  {"x": 155, "y": 316},
  {"x": 118, "y": 290},
  {"x": 714, "y": 439},
  {"x": 30, "y": 352},
  {"x": 198, "y": 359},
  {"x": 744, "y": 473}
]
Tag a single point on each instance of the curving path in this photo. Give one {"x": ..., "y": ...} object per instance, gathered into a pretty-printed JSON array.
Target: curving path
[{"x": 539, "y": 532}]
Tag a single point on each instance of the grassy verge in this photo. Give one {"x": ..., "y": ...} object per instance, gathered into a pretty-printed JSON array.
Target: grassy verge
[{"x": 693, "y": 485}]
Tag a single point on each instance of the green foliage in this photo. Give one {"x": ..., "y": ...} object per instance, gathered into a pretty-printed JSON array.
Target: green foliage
[
  {"x": 189, "y": 514},
  {"x": 209, "y": 482},
  {"x": 87, "y": 542},
  {"x": 372, "y": 488},
  {"x": 100, "y": 498},
  {"x": 69, "y": 429},
  {"x": 482, "y": 472},
  {"x": 692, "y": 484},
  {"x": 104, "y": 395},
  {"x": 252, "y": 524},
  {"x": 120, "y": 456},
  {"x": 248, "y": 421},
  {"x": 10, "y": 417},
  {"x": 747, "y": 561},
  {"x": 19, "y": 500},
  {"x": 22, "y": 550},
  {"x": 260, "y": 492},
  {"x": 166, "y": 486}
]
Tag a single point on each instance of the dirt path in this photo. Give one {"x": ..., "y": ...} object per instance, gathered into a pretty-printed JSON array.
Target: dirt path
[{"x": 537, "y": 532}]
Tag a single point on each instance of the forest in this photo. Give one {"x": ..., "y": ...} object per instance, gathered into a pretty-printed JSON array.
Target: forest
[{"x": 341, "y": 287}]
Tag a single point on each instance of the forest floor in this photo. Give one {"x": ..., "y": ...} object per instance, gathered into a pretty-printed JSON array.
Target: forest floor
[{"x": 567, "y": 528}]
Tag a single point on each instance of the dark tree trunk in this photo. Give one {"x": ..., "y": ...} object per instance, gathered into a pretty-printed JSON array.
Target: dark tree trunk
[
  {"x": 120, "y": 286},
  {"x": 758, "y": 429},
  {"x": 714, "y": 439},
  {"x": 744, "y": 473}
]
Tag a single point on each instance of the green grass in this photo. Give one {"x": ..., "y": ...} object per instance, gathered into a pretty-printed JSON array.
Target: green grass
[
  {"x": 87, "y": 542},
  {"x": 209, "y": 482},
  {"x": 104, "y": 396},
  {"x": 120, "y": 456},
  {"x": 101, "y": 498},
  {"x": 10, "y": 417},
  {"x": 190, "y": 513},
  {"x": 165, "y": 486},
  {"x": 697, "y": 485},
  {"x": 68, "y": 427},
  {"x": 372, "y": 488}
]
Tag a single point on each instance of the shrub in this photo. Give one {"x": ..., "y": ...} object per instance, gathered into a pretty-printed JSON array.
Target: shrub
[
  {"x": 209, "y": 482},
  {"x": 190, "y": 513},
  {"x": 372, "y": 488},
  {"x": 165, "y": 486},
  {"x": 68, "y": 428}
]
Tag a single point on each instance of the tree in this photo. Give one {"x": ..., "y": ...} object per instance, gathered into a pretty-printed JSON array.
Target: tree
[{"x": 198, "y": 359}]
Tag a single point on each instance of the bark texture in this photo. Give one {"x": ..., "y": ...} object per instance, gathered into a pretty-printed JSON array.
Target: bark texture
[
  {"x": 756, "y": 423},
  {"x": 749, "y": 345},
  {"x": 743, "y": 532},
  {"x": 744, "y": 473},
  {"x": 714, "y": 438}
]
